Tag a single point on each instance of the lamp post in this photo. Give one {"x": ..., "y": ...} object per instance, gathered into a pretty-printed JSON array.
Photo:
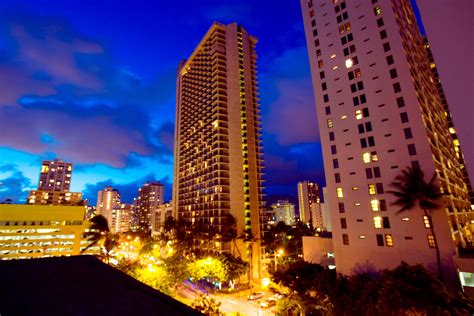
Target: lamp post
[{"x": 278, "y": 253}]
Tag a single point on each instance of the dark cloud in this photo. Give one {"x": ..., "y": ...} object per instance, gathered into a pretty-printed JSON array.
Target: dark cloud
[
  {"x": 15, "y": 186},
  {"x": 128, "y": 191}
]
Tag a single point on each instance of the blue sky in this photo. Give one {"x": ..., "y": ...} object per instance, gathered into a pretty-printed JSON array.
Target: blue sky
[{"x": 93, "y": 82}]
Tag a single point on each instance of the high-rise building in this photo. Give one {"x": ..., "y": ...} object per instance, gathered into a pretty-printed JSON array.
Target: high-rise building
[
  {"x": 379, "y": 111},
  {"x": 159, "y": 216},
  {"x": 108, "y": 205},
  {"x": 308, "y": 194},
  {"x": 150, "y": 196},
  {"x": 55, "y": 175},
  {"x": 284, "y": 211},
  {"x": 218, "y": 150}
]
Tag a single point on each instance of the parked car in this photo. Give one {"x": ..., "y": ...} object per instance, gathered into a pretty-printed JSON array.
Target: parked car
[
  {"x": 268, "y": 302},
  {"x": 256, "y": 296}
]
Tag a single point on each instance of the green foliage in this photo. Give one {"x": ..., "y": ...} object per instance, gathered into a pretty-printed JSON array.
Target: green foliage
[
  {"x": 406, "y": 290},
  {"x": 207, "y": 305}
]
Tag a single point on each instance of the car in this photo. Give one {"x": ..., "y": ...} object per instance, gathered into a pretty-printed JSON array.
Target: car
[
  {"x": 256, "y": 296},
  {"x": 268, "y": 302}
]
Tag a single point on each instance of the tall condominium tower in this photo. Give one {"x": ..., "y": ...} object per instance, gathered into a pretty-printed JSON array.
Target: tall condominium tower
[
  {"x": 109, "y": 205},
  {"x": 308, "y": 194},
  {"x": 218, "y": 151},
  {"x": 379, "y": 111},
  {"x": 55, "y": 175},
  {"x": 284, "y": 211},
  {"x": 150, "y": 196}
]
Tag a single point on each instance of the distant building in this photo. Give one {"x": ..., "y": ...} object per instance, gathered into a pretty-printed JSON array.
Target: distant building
[
  {"x": 308, "y": 194},
  {"x": 284, "y": 212},
  {"x": 53, "y": 186},
  {"x": 150, "y": 196},
  {"x": 40, "y": 197},
  {"x": 159, "y": 216},
  {"x": 55, "y": 175},
  {"x": 34, "y": 231},
  {"x": 121, "y": 219},
  {"x": 319, "y": 250},
  {"x": 108, "y": 204}
]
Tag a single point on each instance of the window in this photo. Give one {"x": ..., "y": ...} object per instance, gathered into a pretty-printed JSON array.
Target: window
[
  {"x": 313, "y": 24},
  {"x": 337, "y": 177},
  {"x": 411, "y": 149},
  {"x": 377, "y": 10},
  {"x": 380, "y": 240},
  {"x": 396, "y": 87},
  {"x": 345, "y": 239},
  {"x": 380, "y": 22},
  {"x": 386, "y": 47},
  {"x": 388, "y": 240},
  {"x": 326, "y": 98},
  {"x": 331, "y": 136},
  {"x": 346, "y": 39},
  {"x": 377, "y": 173},
  {"x": 371, "y": 141},
  {"x": 379, "y": 187},
  {"x": 372, "y": 189},
  {"x": 363, "y": 143},
  {"x": 374, "y": 156},
  {"x": 345, "y": 28},
  {"x": 361, "y": 99},
  {"x": 358, "y": 115},
  {"x": 324, "y": 86},
  {"x": 375, "y": 205},
  {"x": 322, "y": 75},
  {"x": 366, "y": 157},
  {"x": 378, "y": 221},
  {"x": 343, "y": 223},
  {"x": 383, "y": 34},
  {"x": 393, "y": 73},
  {"x": 400, "y": 102},
  {"x": 349, "y": 50},
  {"x": 328, "y": 110},
  {"x": 329, "y": 122},
  {"x": 354, "y": 74},
  {"x": 333, "y": 149},
  {"x": 361, "y": 128},
  {"x": 320, "y": 64},
  {"x": 385, "y": 222},
  {"x": 390, "y": 60},
  {"x": 383, "y": 205},
  {"x": 335, "y": 163},
  {"x": 316, "y": 42},
  {"x": 339, "y": 192},
  {"x": 427, "y": 221},
  {"x": 404, "y": 117},
  {"x": 341, "y": 207},
  {"x": 318, "y": 53},
  {"x": 357, "y": 86},
  {"x": 431, "y": 241},
  {"x": 408, "y": 133},
  {"x": 368, "y": 173}
]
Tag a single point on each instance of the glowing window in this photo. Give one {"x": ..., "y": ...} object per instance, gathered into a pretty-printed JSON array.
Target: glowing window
[
  {"x": 349, "y": 63},
  {"x": 339, "y": 192},
  {"x": 388, "y": 240},
  {"x": 377, "y": 10},
  {"x": 378, "y": 222},
  {"x": 366, "y": 157},
  {"x": 426, "y": 221},
  {"x": 431, "y": 241},
  {"x": 330, "y": 124},
  {"x": 359, "y": 114},
  {"x": 375, "y": 205},
  {"x": 372, "y": 189}
]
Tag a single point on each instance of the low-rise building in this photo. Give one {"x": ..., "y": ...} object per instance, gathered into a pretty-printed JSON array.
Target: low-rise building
[
  {"x": 159, "y": 216},
  {"x": 48, "y": 197},
  {"x": 34, "y": 231}
]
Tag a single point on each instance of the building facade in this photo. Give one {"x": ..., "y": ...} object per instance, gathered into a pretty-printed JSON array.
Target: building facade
[
  {"x": 55, "y": 175},
  {"x": 284, "y": 211},
  {"x": 218, "y": 147},
  {"x": 54, "y": 197},
  {"x": 109, "y": 205},
  {"x": 35, "y": 231},
  {"x": 159, "y": 216},
  {"x": 379, "y": 111},
  {"x": 150, "y": 196},
  {"x": 308, "y": 194}
]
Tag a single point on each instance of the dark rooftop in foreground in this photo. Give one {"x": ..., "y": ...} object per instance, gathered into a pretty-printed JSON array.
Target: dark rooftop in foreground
[{"x": 80, "y": 285}]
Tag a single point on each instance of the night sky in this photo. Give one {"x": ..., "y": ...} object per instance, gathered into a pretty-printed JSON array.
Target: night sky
[{"x": 93, "y": 83}]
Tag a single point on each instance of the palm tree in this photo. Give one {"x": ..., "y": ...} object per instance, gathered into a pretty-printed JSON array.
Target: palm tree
[
  {"x": 230, "y": 233},
  {"x": 97, "y": 232},
  {"x": 411, "y": 191}
]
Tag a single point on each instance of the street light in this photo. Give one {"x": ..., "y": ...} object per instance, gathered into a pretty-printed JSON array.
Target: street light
[{"x": 278, "y": 253}]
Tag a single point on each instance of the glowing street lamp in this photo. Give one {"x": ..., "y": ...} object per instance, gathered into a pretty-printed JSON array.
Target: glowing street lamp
[{"x": 278, "y": 253}]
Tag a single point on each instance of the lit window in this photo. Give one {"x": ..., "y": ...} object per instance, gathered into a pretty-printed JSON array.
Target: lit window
[
  {"x": 215, "y": 124},
  {"x": 339, "y": 192},
  {"x": 374, "y": 156},
  {"x": 377, "y": 10},
  {"x": 330, "y": 125},
  {"x": 431, "y": 241},
  {"x": 334, "y": 68},
  {"x": 405, "y": 219},
  {"x": 366, "y": 157},
  {"x": 375, "y": 205},
  {"x": 452, "y": 130},
  {"x": 349, "y": 63},
  {"x": 359, "y": 115},
  {"x": 426, "y": 221},
  {"x": 378, "y": 222},
  {"x": 388, "y": 240},
  {"x": 355, "y": 188},
  {"x": 361, "y": 236},
  {"x": 343, "y": 117},
  {"x": 372, "y": 190},
  {"x": 333, "y": 56}
]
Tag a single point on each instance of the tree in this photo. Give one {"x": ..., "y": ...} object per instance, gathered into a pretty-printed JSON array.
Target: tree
[
  {"x": 411, "y": 190},
  {"x": 207, "y": 305},
  {"x": 97, "y": 233}
]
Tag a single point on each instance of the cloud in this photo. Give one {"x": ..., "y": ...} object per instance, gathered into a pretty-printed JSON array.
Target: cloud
[{"x": 15, "y": 186}]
